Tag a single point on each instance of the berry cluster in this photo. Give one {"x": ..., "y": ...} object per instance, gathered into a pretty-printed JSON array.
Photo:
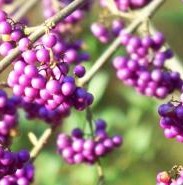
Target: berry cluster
[
  {"x": 76, "y": 149},
  {"x": 144, "y": 66},
  {"x": 42, "y": 66},
  {"x": 11, "y": 161},
  {"x": 166, "y": 178},
  {"x": 8, "y": 117},
  {"x": 171, "y": 120},
  {"x": 126, "y": 5},
  {"x": 23, "y": 176},
  {"x": 41, "y": 77},
  {"x": 37, "y": 111},
  {"x": 107, "y": 33},
  {"x": 51, "y": 7},
  {"x": 12, "y": 35}
]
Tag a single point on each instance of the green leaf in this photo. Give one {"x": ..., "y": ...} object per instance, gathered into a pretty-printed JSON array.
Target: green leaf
[
  {"x": 139, "y": 139},
  {"x": 113, "y": 116},
  {"x": 136, "y": 99},
  {"x": 98, "y": 85}
]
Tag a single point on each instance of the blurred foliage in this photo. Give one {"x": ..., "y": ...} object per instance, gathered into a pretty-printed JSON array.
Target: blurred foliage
[{"x": 145, "y": 150}]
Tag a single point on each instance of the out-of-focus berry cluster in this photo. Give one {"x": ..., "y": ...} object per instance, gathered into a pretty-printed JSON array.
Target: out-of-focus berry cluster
[
  {"x": 50, "y": 8},
  {"x": 23, "y": 176},
  {"x": 5, "y": 2},
  {"x": 171, "y": 120},
  {"x": 11, "y": 161},
  {"x": 144, "y": 66},
  {"x": 77, "y": 148},
  {"x": 126, "y": 5},
  {"x": 8, "y": 117},
  {"x": 172, "y": 177},
  {"x": 106, "y": 33}
]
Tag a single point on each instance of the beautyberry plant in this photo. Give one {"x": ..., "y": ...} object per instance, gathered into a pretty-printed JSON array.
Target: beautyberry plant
[{"x": 50, "y": 72}]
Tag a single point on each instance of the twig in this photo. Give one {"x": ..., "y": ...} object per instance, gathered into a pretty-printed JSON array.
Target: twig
[
  {"x": 29, "y": 30},
  {"x": 33, "y": 139},
  {"x": 101, "y": 177},
  {"x": 41, "y": 143},
  {"x": 5, "y": 62},
  {"x": 146, "y": 13}
]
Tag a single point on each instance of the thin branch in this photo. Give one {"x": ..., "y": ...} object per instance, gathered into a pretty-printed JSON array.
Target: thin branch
[
  {"x": 33, "y": 139},
  {"x": 41, "y": 143},
  {"x": 5, "y": 62},
  {"x": 22, "y": 11},
  {"x": 101, "y": 177},
  {"x": 29, "y": 30},
  {"x": 146, "y": 13},
  {"x": 56, "y": 18}
]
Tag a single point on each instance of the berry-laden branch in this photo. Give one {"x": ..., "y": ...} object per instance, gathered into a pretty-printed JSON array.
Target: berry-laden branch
[
  {"x": 147, "y": 12},
  {"x": 5, "y": 62}
]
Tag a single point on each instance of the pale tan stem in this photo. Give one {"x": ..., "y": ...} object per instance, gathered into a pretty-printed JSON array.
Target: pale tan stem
[{"x": 41, "y": 143}]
